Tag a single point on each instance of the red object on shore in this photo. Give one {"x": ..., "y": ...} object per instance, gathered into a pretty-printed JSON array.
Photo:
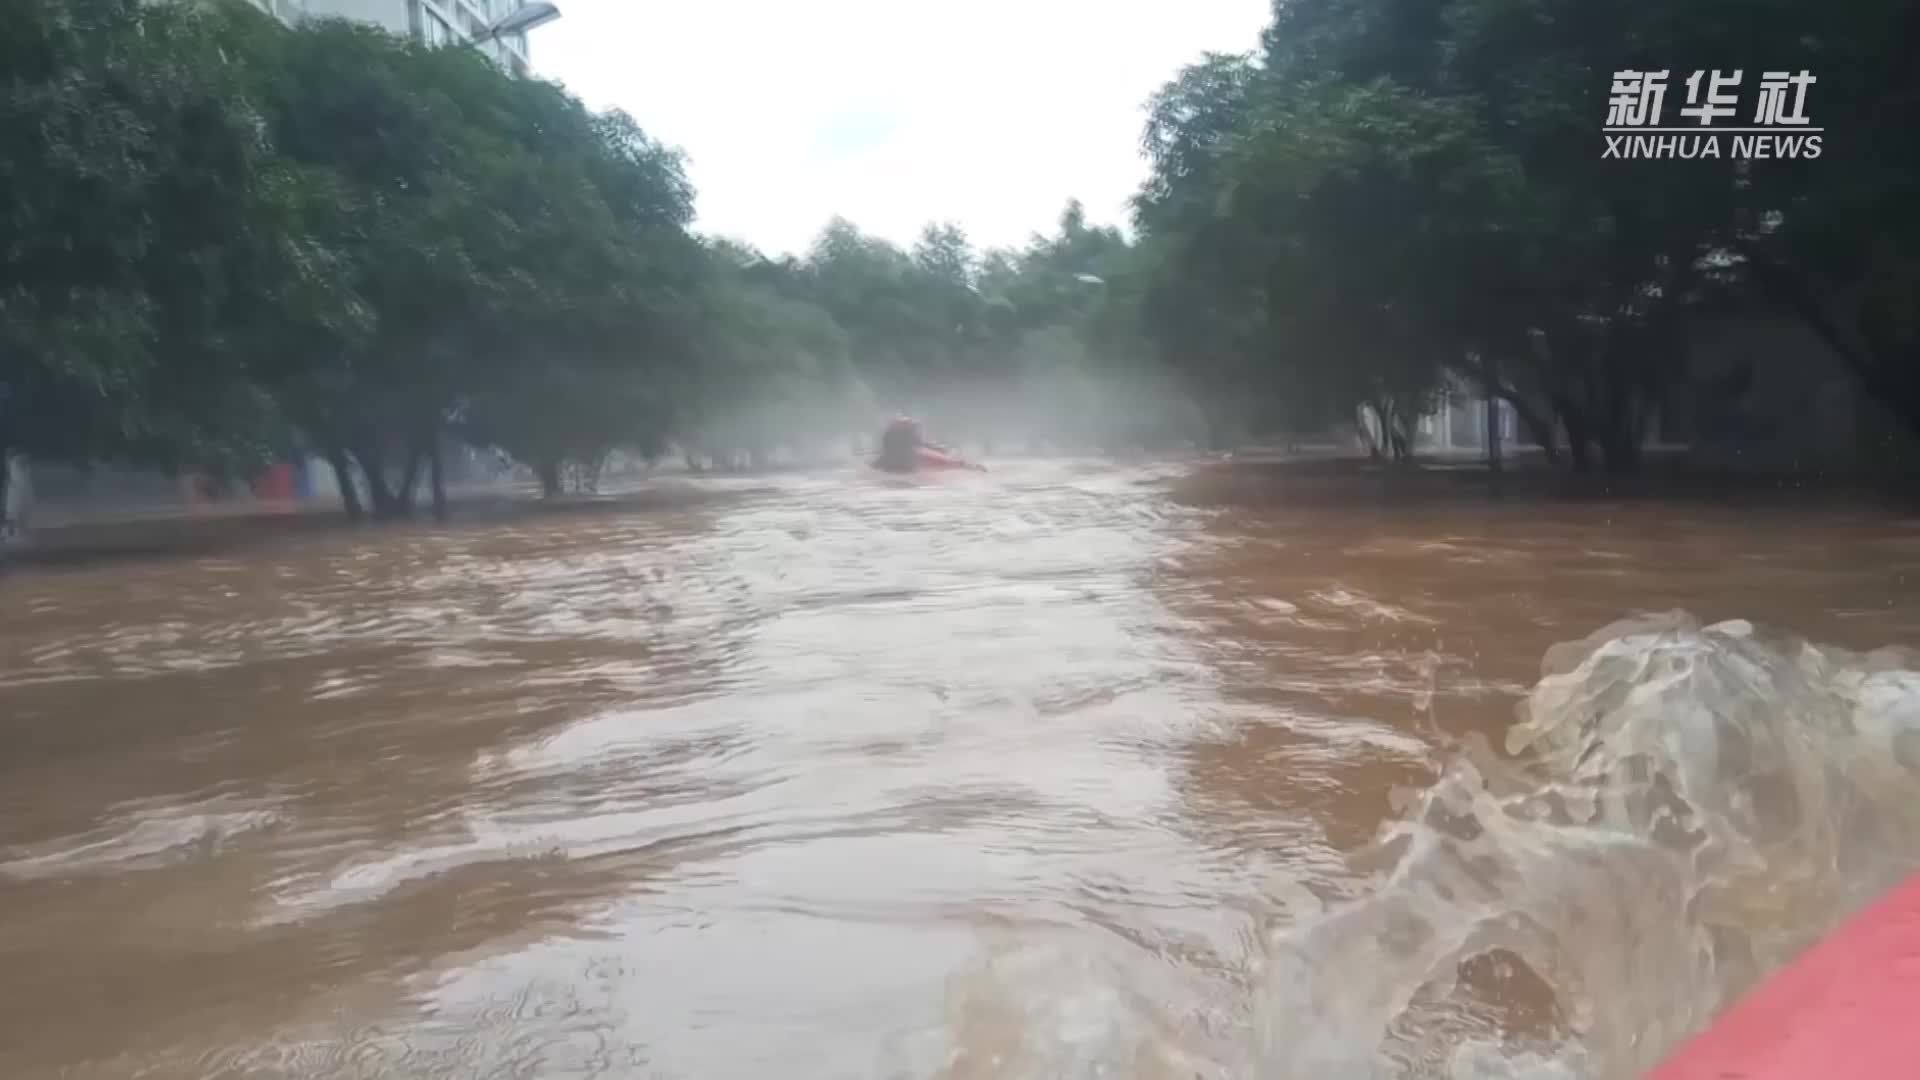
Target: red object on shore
[{"x": 1846, "y": 1009}]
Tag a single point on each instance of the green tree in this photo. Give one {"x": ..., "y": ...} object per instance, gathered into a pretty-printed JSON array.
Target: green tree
[
  {"x": 521, "y": 263},
  {"x": 150, "y": 234},
  {"x": 1389, "y": 190}
]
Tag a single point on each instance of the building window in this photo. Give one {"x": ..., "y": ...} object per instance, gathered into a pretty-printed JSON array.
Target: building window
[{"x": 436, "y": 30}]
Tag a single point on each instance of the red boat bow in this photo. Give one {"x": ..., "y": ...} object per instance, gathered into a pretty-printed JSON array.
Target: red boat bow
[{"x": 1846, "y": 1009}]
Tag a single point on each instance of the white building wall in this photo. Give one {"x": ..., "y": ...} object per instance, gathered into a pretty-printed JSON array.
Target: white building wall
[
  {"x": 437, "y": 22},
  {"x": 389, "y": 15}
]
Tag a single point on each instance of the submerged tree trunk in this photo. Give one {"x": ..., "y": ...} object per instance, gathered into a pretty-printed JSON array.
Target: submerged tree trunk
[
  {"x": 1494, "y": 464},
  {"x": 373, "y": 464},
  {"x": 1540, "y": 430},
  {"x": 1619, "y": 444},
  {"x": 549, "y": 474},
  {"x": 1489, "y": 371},
  {"x": 1398, "y": 428},
  {"x": 6, "y": 489},
  {"x": 1623, "y": 423},
  {"x": 588, "y": 474},
  {"x": 343, "y": 479},
  {"x": 1620, "y": 449},
  {"x": 437, "y": 480},
  {"x": 409, "y": 481},
  {"x": 1579, "y": 448}
]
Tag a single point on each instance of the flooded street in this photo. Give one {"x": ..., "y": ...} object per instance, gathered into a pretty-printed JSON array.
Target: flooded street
[{"x": 1045, "y": 772}]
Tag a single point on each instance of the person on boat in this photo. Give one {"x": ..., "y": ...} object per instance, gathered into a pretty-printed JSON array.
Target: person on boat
[
  {"x": 900, "y": 445},
  {"x": 904, "y": 447}
]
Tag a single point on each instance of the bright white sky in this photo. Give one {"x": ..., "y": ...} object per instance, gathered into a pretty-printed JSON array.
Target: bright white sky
[{"x": 891, "y": 113}]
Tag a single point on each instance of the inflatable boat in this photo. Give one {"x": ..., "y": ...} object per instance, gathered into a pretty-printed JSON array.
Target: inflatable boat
[
  {"x": 927, "y": 459},
  {"x": 1846, "y": 1009}
]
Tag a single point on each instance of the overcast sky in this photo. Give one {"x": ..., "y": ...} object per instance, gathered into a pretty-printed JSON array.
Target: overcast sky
[{"x": 891, "y": 113}]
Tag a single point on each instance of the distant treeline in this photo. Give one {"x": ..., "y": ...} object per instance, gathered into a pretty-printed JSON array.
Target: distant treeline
[{"x": 227, "y": 240}]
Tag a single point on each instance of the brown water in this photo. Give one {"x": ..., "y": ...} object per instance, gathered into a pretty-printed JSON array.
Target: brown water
[{"x": 1040, "y": 773}]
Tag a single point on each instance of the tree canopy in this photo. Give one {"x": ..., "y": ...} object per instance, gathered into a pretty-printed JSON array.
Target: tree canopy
[
  {"x": 230, "y": 239},
  {"x": 1390, "y": 198}
]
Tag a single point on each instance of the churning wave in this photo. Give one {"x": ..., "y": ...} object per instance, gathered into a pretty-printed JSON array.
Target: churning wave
[{"x": 1682, "y": 809}]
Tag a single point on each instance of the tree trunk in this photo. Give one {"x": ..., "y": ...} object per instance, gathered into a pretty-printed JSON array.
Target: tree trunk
[
  {"x": 1622, "y": 420},
  {"x": 343, "y": 479},
  {"x": 1620, "y": 448},
  {"x": 1494, "y": 465},
  {"x": 1493, "y": 433},
  {"x": 1400, "y": 428},
  {"x": 409, "y": 480},
  {"x": 437, "y": 480},
  {"x": 549, "y": 473},
  {"x": 1541, "y": 432},
  {"x": 1579, "y": 435},
  {"x": 373, "y": 463},
  {"x": 12, "y": 526}
]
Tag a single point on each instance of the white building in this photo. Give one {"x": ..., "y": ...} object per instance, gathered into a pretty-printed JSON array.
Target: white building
[{"x": 436, "y": 22}]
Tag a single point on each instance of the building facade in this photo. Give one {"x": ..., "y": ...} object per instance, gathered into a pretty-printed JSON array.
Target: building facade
[{"x": 435, "y": 22}]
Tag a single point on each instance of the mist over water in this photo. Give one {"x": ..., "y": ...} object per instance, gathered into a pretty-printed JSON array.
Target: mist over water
[{"x": 1063, "y": 770}]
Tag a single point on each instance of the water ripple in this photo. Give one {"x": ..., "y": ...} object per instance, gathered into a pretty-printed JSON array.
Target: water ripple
[{"x": 1004, "y": 775}]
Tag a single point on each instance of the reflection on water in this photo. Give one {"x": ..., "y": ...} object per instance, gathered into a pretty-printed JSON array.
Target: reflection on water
[{"x": 1048, "y": 772}]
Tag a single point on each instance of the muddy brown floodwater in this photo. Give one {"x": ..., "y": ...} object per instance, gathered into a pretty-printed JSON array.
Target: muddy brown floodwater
[{"x": 1002, "y": 775}]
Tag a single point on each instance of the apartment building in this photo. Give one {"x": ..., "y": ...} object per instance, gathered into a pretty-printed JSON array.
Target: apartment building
[{"x": 436, "y": 22}]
